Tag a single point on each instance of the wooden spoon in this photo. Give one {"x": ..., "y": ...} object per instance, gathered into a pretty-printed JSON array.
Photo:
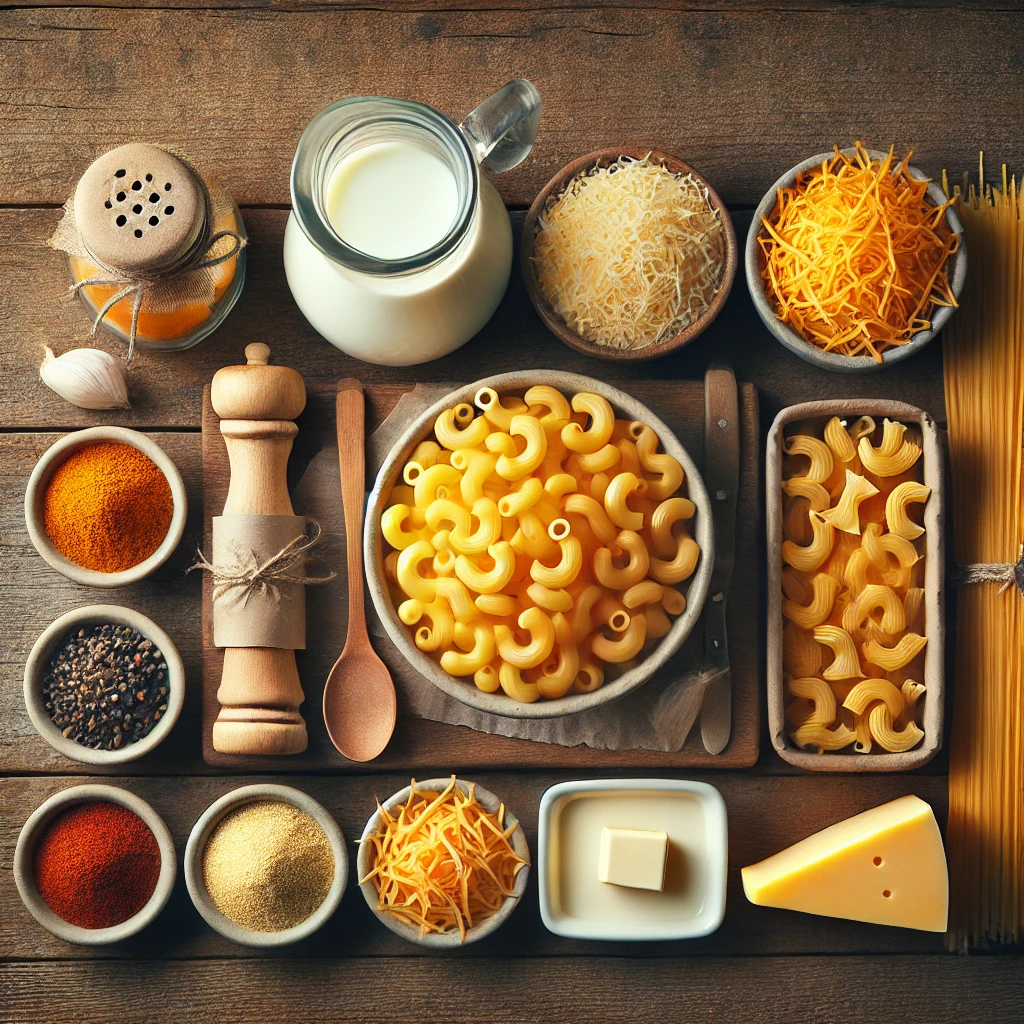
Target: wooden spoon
[{"x": 359, "y": 697}]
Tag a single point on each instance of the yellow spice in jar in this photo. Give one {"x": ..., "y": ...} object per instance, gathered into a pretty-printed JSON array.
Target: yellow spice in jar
[{"x": 267, "y": 866}]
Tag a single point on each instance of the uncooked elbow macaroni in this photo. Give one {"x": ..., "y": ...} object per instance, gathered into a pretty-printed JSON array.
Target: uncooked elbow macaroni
[
  {"x": 538, "y": 540},
  {"x": 853, "y": 559}
]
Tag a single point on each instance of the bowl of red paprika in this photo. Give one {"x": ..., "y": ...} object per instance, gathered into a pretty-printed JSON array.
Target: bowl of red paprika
[
  {"x": 95, "y": 864},
  {"x": 90, "y": 669},
  {"x": 105, "y": 506}
]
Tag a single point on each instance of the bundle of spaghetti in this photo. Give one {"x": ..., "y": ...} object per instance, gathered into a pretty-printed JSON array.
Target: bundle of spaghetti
[
  {"x": 441, "y": 861},
  {"x": 854, "y": 254},
  {"x": 983, "y": 351}
]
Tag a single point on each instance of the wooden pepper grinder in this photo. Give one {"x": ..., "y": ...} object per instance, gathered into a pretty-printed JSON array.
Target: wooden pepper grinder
[{"x": 260, "y": 692}]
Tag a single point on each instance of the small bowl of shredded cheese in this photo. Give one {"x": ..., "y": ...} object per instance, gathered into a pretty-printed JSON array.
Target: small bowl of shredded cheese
[
  {"x": 442, "y": 863},
  {"x": 628, "y": 254},
  {"x": 855, "y": 259}
]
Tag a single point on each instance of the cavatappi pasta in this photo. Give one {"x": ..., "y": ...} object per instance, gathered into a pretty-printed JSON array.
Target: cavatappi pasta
[
  {"x": 853, "y": 566},
  {"x": 538, "y": 543}
]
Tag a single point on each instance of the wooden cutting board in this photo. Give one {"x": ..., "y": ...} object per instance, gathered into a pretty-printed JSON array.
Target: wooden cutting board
[{"x": 418, "y": 743}]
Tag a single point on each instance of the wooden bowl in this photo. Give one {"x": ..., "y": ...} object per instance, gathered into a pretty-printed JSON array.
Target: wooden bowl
[{"x": 555, "y": 323}]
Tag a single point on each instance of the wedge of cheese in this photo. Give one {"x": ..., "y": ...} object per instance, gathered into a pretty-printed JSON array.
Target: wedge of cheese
[{"x": 885, "y": 866}]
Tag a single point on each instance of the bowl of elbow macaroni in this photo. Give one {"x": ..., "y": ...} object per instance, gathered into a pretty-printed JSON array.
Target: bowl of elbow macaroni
[{"x": 538, "y": 544}]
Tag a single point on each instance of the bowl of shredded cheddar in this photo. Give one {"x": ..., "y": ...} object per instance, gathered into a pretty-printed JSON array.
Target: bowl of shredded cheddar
[
  {"x": 443, "y": 863},
  {"x": 855, "y": 260}
]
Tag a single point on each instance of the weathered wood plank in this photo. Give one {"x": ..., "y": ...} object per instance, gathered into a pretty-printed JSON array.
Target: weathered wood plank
[
  {"x": 812, "y": 990},
  {"x": 167, "y": 389},
  {"x": 765, "y": 815},
  {"x": 742, "y": 95}
]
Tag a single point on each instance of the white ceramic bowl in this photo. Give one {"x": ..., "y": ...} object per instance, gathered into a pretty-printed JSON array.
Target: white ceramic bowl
[
  {"x": 834, "y": 361},
  {"x": 35, "y": 494},
  {"x": 98, "y": 615},
  {"x": 703, "y": 922},
  {"x": 35, "y": 828},
  {"x": 203, "y": 829},
  {"x": 463, "y": 689},
  {"x": 447, "y": 940}
]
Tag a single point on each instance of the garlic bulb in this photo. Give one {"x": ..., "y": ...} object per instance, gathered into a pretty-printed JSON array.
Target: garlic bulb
[{"x": 86, "y": 377}]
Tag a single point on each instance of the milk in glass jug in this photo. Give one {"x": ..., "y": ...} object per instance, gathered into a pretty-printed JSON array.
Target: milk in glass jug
[{"x": 398, "y": 250}]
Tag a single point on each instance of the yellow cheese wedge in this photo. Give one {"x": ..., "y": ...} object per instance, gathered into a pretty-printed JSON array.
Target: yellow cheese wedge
[{"x": 885, "y": 866}]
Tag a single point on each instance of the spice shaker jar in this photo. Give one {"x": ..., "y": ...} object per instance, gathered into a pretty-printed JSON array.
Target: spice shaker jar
[
  {"x": 156, "y": 253},
  {"x": 398, "y": 249}
]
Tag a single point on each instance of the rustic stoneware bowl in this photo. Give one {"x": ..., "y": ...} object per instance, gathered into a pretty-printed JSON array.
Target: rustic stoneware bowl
[
  {"x": 499, "y": 703},
  {"x": 50, "y": 462},
  {"x": 448, "y": 940},
  {"x": 203, "y": 829},
  {"x": 555, "y": 323},
  {"x": 933, "y": 460},
  {"x": 957, "y": 270},
  {"x": 98, "y": 615},
  {"x": 35, "y": 828}
]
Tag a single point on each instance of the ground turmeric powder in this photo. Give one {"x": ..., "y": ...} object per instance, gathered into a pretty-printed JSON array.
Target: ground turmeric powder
[{"x": 108, "y": 507}]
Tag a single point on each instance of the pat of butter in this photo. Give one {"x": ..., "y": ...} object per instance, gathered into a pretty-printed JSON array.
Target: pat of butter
[{"x": 633, "y": 857}]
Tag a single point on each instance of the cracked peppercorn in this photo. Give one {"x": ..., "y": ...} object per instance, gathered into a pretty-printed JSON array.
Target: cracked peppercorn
[{"x": 106, "y": 686}]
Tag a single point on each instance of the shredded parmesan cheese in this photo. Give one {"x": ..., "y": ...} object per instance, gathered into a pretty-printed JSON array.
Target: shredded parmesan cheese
[
  {"x": 854, "y": 255},
  {"x": 630, "y": 253},
  {"x": 443, "y": 862}
]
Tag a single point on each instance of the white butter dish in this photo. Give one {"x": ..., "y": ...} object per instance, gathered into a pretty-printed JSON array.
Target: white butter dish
[{"x": 574, "y": 902}]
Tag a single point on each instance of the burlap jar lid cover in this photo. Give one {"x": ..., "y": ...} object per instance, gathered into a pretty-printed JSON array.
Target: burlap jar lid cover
[{"x": 146, "y": 219}]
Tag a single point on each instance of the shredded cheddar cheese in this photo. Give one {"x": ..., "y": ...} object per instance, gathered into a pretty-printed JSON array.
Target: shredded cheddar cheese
[
  {"x": 443, "y": 862},
  {"x": 630, "y": 253},
  {"x": 854, "y": 255}
]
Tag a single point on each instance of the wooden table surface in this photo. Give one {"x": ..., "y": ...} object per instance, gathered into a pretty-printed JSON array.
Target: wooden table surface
[{"x": 742, "y": 90}]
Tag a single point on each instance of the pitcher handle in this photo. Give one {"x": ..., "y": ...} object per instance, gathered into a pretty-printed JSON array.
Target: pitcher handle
[{"x": 501, "y": 130}]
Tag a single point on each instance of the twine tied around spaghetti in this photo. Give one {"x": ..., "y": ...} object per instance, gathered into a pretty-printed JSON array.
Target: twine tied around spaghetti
[
  {"x": 254, "y": 576},
  {"x": 1007, "y": 573}
]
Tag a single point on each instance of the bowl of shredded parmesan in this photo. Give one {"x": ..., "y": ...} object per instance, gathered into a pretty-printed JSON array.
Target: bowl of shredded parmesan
[
  {"x": 855, "y": 259},
  {"x": 628, "y": 254}
]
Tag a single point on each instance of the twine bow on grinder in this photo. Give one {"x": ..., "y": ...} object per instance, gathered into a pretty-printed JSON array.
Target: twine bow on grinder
[
  {"x": 144, "y": 226},
  {"x": 258, "y": 561}
]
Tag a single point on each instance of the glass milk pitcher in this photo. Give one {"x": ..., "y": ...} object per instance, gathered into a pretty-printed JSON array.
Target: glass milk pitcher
[{"x": 398, "y": 250}]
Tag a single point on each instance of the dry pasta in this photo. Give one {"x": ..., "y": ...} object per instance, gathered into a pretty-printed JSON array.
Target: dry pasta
[
  {"x": 983, "y": 363},
  {"x": 539, "y": 542},
  {"x": 852, "y": 604}
]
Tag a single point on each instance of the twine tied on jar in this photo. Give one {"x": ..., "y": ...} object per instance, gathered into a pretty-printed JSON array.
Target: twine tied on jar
[{"x": 145, "y": 223}]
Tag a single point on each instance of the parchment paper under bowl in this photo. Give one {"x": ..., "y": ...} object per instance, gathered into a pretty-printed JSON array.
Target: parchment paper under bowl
[
  {"x": 499, "y": 703},
  {"x": 100, "y": 615},
  {"x": 35, "y": 494},
  {"x": 934, "y": 585},
  {"x": 196, "y": 848},
  {"x": 447, "y": 940},
  {"x": 35, "y": 828}
]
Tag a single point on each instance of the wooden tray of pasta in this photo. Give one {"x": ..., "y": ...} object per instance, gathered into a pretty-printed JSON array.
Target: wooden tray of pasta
[{"x": 855, "y": 586}]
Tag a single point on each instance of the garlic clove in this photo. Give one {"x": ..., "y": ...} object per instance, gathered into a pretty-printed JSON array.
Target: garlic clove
[{"x": 86, "y": 377}]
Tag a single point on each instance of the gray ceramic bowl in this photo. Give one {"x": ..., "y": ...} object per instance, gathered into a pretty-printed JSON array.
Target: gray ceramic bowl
[
  {"x": 463, "y": 689},
  {"x": 97, "y": 615},
  {"x": 196, "y": 883},
  {"x": 804, "y": 349},
  {"x": 35, "y": 493},
  {"x": 448, "y": 940},
  {"x": 33, "y": 831}
]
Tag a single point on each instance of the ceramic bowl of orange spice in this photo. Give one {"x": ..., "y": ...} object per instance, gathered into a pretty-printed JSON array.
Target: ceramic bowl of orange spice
[{"x": 105, "y": 506}]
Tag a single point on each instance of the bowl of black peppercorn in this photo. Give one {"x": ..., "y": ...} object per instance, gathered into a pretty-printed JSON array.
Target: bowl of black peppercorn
[{"x": 104, "y": 685}]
